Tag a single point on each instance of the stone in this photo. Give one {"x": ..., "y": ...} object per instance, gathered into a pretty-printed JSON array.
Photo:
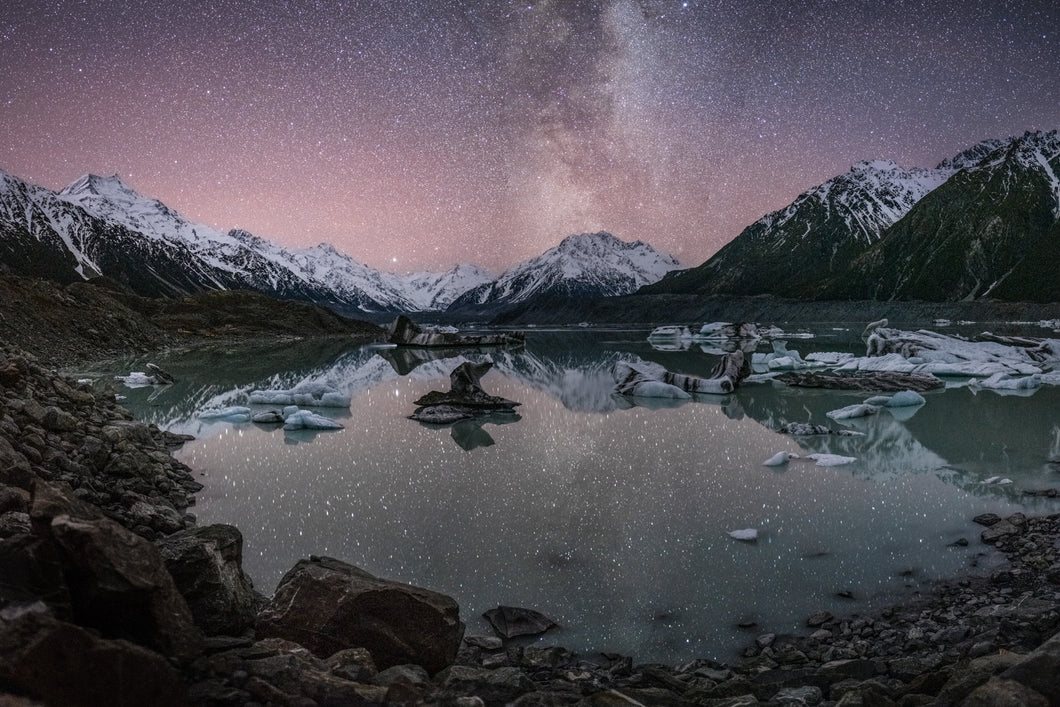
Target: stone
[
  {"x": 512, "y": 621},
  {"x": 997, "y": 531},
  {"x": 1040, "y": 670},
  {"x": 806, "y": 695},
  {"x": 818, "y": 618},
  {"x": 119, "y": 585},
  {"x": 206, "y": 565},
  {"x": 63, "y": 664},
  {"x": 499, "y": 686},
  {"x": 999, "y": 692},
  {"x": 327, "y": 605}
]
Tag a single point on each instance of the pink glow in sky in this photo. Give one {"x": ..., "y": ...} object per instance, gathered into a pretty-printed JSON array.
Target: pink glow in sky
[{"x": 418, "y": 134}]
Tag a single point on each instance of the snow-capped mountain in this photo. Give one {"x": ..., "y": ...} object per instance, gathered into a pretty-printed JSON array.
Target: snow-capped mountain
[
  {"x": 992, "y": 230},
  {"x": 806, "y": 248},
  {"x": 584, "y": 265},
  {"x": 435, "y": 291}
]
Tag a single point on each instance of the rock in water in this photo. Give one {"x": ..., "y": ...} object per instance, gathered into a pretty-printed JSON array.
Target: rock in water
[
  {"x": 465, "y": 398},
  {"x": 512, "y": 621},
  {"x": 328, "y": 605}
]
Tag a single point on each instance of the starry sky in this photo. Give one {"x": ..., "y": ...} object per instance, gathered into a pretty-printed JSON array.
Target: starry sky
[{"x": 416, "y": 134}]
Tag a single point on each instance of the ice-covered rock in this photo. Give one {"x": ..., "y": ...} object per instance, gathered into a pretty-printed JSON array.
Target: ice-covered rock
[
  {"x": 744, "y": 534},
  {"x": 780, "y": 459},
  {"x": 308, "y": 420},
  {"x": 852, "y": 411},
  {"x": 232, "y": 413},
  {"x": 831, "y": 459},
  {"x": 307, "y": 393}
]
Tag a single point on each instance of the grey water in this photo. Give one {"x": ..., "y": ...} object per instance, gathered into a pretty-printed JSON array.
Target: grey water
[{"x": 610, "y": 516}]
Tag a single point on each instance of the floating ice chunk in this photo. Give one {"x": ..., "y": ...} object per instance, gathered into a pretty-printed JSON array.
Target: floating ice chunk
[
  {"x": 1003, "y": 381},
  {"x": 671, "y": 332},
  {"x": 852, "y": 411},
  {"x": 831, "y": 459},
  {"x": 1051, "y": 378},
  {"x": 85, "y": 381},
  {"x": 234, "y": 413},
  {"x": 745, "y": 534},
  {"x": 137, "y": 379},
  {"x": 658, "y": 389},
  {"x": 306, "y": 420},
  {"x": 829, "y": 358},
  {"x": 996, "y": 481},
  {"x": 878, "y": 400},
  {"x": 630, "y": 379},
  {"x": 308, "y": 393},
  {"x": 905, "y": 398},
  {"x": 780, "y": 459}
]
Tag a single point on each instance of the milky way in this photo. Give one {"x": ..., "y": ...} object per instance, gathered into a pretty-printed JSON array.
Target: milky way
[{"x": 414, "y": 135}]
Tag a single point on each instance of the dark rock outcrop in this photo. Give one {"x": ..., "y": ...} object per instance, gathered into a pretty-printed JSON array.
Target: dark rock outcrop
[
  {"x": 465, "y": 398},
  {"x": 207, "y": 565},
  {"x": 327, "y": 605}
]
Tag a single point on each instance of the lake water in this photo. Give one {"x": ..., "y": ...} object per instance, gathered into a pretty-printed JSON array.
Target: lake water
[{"x": 610, "y": 517}]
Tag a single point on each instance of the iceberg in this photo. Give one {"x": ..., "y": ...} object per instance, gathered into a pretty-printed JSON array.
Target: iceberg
[
  {"x": 831, "y": 459},
  {"x": 852, "y": 411},
  {"x": 745, "y": 534},
  {"x": 306, "y": 420},
  {"x": 308, "y": 393},
  {"x": 234, "y": 413},
  {"x": 930, "y": 352},
  {"x": 681, "y": 333},
  {"x": 1004, "y": 381},
  {"x": 780, "y": 459},
  {"x": 630, "y": 378}
]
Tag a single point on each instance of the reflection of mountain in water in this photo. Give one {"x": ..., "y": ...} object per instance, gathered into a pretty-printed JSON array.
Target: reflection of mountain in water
[{"x": 957, "y": 434}]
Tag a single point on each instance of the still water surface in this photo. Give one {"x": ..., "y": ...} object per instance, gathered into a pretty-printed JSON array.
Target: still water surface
[{"x": 611, "y": 517}]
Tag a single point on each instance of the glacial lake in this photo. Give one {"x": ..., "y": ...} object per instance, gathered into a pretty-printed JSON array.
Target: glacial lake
[{"x": 609, "y": 515}]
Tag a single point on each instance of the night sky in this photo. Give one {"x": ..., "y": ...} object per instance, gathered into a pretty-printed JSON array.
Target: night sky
[{"x": 418, "y": 134}]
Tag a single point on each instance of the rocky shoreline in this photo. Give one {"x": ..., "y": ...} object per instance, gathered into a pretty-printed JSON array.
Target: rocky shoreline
[{"x": 104, "y": 575}]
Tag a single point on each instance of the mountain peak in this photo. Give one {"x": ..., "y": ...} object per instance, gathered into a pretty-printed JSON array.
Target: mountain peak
[{"x": 96, "y": 184}]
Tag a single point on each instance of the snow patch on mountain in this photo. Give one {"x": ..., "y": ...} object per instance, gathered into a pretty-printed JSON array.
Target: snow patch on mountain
[{"x": 587, "y": 264}]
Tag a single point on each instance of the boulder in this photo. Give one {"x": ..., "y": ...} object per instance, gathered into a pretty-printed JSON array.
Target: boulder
[
  {"x": 327, "y": 605},
  {"x": 206, "y": 565},
  {"x": 62, "y": 664},
  {"x": 512, "y": 621},
  {"x": 117, "y": 580},
  {"x": 1040, "y": 670}
]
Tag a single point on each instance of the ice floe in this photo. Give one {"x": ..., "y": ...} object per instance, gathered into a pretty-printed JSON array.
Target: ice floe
[
  {"x": 308, "y": 393},
  {"x": 307, "y": 420},
  {"x": 745, "y": 534},
  {"x": 852, "y": 411},
  {"x": 831, "y": 459},
  {"x": 232, "y": 413},
  {"x": 780, "y": 459},
  {"x": 646, "y": 379}
]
